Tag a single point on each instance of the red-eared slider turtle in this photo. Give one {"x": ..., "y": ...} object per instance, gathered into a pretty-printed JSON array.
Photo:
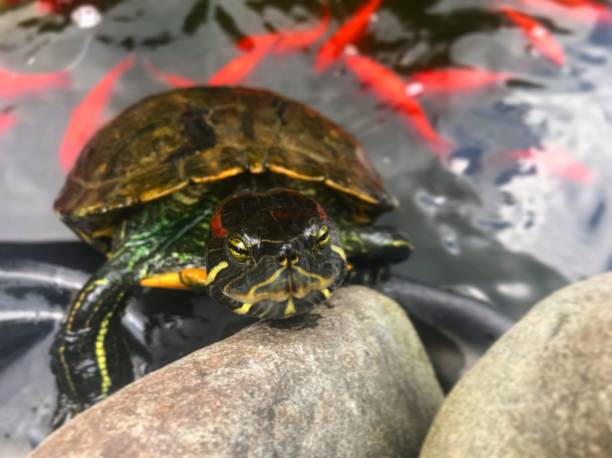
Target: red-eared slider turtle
[{"x": 254, "y": 198}]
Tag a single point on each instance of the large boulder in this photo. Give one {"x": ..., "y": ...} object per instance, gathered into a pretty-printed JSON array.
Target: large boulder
[
  {"x": 352, "y": 380},
  {"x": 543, "y": 390}
]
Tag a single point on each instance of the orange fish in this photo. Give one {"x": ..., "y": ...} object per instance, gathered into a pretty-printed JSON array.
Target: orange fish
[
  {"x": 584, "y": 11},
  {"x": 87, "y": 115},
  {"x": 348, "y": 33},
  {"x": 240, "y": 67},
  {"x": 390, "y": 88},
  {"x": 7, "y": 121},
  {"x": 556, "y": 161},
  {"x": 52, "y": 6},
  {"x": 288, "y": 40},
  {"x": 257, "y": 46},
  {"x": 452, "y": 80},
  {"x": 170, "y": 79},
  {"x": 298, "y": 39},
  {"x": 13, "y": 84},
  {"x": 537, "y": 34}
]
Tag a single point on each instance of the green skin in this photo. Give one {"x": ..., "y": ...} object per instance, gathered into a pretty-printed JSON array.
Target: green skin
[{"x": 287, "y": 262}]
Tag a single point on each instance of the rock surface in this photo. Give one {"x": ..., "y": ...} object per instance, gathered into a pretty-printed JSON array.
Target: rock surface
[
  {"x": 348, "y": 380},
  {"x": 543, "y": 390}
]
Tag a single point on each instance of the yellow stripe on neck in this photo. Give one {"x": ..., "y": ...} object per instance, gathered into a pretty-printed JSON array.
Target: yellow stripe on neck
[
  {"x": 212, "y": 273},
  {"x": 339, "y": 251},
  {"x": 244, "y": 309}
]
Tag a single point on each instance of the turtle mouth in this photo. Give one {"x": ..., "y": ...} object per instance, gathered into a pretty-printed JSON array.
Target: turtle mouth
[
  {"x": 272, "y": 310},
  {"x": 284, "y": 284},
  {"x": 285, "y": 292}
]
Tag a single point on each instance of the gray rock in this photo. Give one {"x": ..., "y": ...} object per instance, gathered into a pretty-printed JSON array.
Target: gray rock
[
  {"x": 543, "y": 390},
  {"x": 350, "y": 380}
]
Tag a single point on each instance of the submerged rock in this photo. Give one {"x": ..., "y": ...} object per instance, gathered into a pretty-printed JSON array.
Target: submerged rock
[
  {"x": 348, "y": 380},
  {"x": 544, "y": 390}
]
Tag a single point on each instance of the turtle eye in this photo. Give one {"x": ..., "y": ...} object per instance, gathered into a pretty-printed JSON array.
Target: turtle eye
[
  {"x": 238, "y": 249},
  {"x": 323, "y": 236}
]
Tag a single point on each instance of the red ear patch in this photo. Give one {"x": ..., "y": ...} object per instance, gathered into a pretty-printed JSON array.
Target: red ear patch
[
  {"x": 321, "y": 212},
  {"x": 281, "y": 214},
  {"x": 216, "y": 226}
]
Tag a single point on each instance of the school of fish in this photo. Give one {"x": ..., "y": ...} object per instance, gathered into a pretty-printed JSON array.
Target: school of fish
[{"x": 399, "y": 92}]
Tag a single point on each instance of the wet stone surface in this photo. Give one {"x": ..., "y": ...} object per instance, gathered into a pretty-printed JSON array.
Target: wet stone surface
[{"x": 349, "y": 380}]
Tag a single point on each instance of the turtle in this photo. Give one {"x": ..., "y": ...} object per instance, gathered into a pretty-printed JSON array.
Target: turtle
[{"x": 256, "y": 199}]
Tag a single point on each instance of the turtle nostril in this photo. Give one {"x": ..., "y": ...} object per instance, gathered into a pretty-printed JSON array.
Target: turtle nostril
[{"x": 285, "y": 259}]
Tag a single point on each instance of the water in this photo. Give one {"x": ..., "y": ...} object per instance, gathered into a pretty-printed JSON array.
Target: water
[{"x": 490, "y": 221}]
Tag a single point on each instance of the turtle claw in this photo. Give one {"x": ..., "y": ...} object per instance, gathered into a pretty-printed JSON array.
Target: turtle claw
[
  {"x": 367, "y": 276},
  {"x": 65, "y": 410}
]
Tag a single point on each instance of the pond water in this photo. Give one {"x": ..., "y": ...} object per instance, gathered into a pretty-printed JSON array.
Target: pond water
[
  {"x": 518, "y": 207},
  {"x": 515, "y": 206}
]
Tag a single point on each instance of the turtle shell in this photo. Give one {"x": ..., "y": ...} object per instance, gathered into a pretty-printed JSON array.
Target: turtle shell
[{"x": 199, "y": 135}]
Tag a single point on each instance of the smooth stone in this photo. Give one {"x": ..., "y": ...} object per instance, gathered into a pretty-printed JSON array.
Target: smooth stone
[
  {"x": 350, "y": 380},
  {"x": 543, "y": 390}
]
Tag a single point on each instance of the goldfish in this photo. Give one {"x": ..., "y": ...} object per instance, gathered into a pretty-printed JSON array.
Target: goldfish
[
  {"x": 86, "y": 117},
  {"x": 289, "y": 40},
  {"x": 537, "y": 34},
  {"x": 451, "y": 80},
  {"x": 13, "y": 84},
  {"x": 170, "y": 79},
  {"x": 298, "y": 39},
  {"x": 391, "y": 89},
  {"x": 240, "y": 67},
  {"x": 556, "y": 161},
  {"x": 52, "y": 6},
  {"x": 583, "y": 11},
  {"x": 257, "y": 46},
  {"x": 349, "y": 32},
  {"x": 7, "y": 120}
]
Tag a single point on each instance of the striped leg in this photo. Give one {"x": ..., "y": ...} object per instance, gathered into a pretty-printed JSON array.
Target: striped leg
[{"x": 89, "y": 357}]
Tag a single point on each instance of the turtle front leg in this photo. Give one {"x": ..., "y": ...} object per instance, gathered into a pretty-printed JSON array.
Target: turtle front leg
[
  {"x": 89, "y": 357},
  {"x": 371, "y": 250}
]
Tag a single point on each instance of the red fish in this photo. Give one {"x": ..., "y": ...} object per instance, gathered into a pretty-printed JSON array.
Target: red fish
[
  {"x": 390, "y": 88},
  {"x": 537, "y": 34},
  {"x": 7, "y": 121},
  {"x": 556, "y": 161},
  {"x": 52, "y": 6},
  {"x": 253, "y": 42},
  {"x": 288, "y": 40},
  {"x": 585, "y": 11},
  {"x": 451, "y": 80},
  {"x": 240, "y": 67},
  {"x": 298, "y": 39},
  {"x": 13, "y": 84},
  {"x": 87, "y": 115},
  {"x": 170, "y": 79},
  {"x": 349, "y": 32}
]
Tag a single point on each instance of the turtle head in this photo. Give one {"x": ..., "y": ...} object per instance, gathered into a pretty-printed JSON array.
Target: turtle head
[{"x": 273, "y": 255}]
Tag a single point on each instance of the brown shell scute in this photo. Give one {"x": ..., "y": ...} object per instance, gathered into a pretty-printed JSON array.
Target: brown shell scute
[{"x": 203, "y": 134}]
